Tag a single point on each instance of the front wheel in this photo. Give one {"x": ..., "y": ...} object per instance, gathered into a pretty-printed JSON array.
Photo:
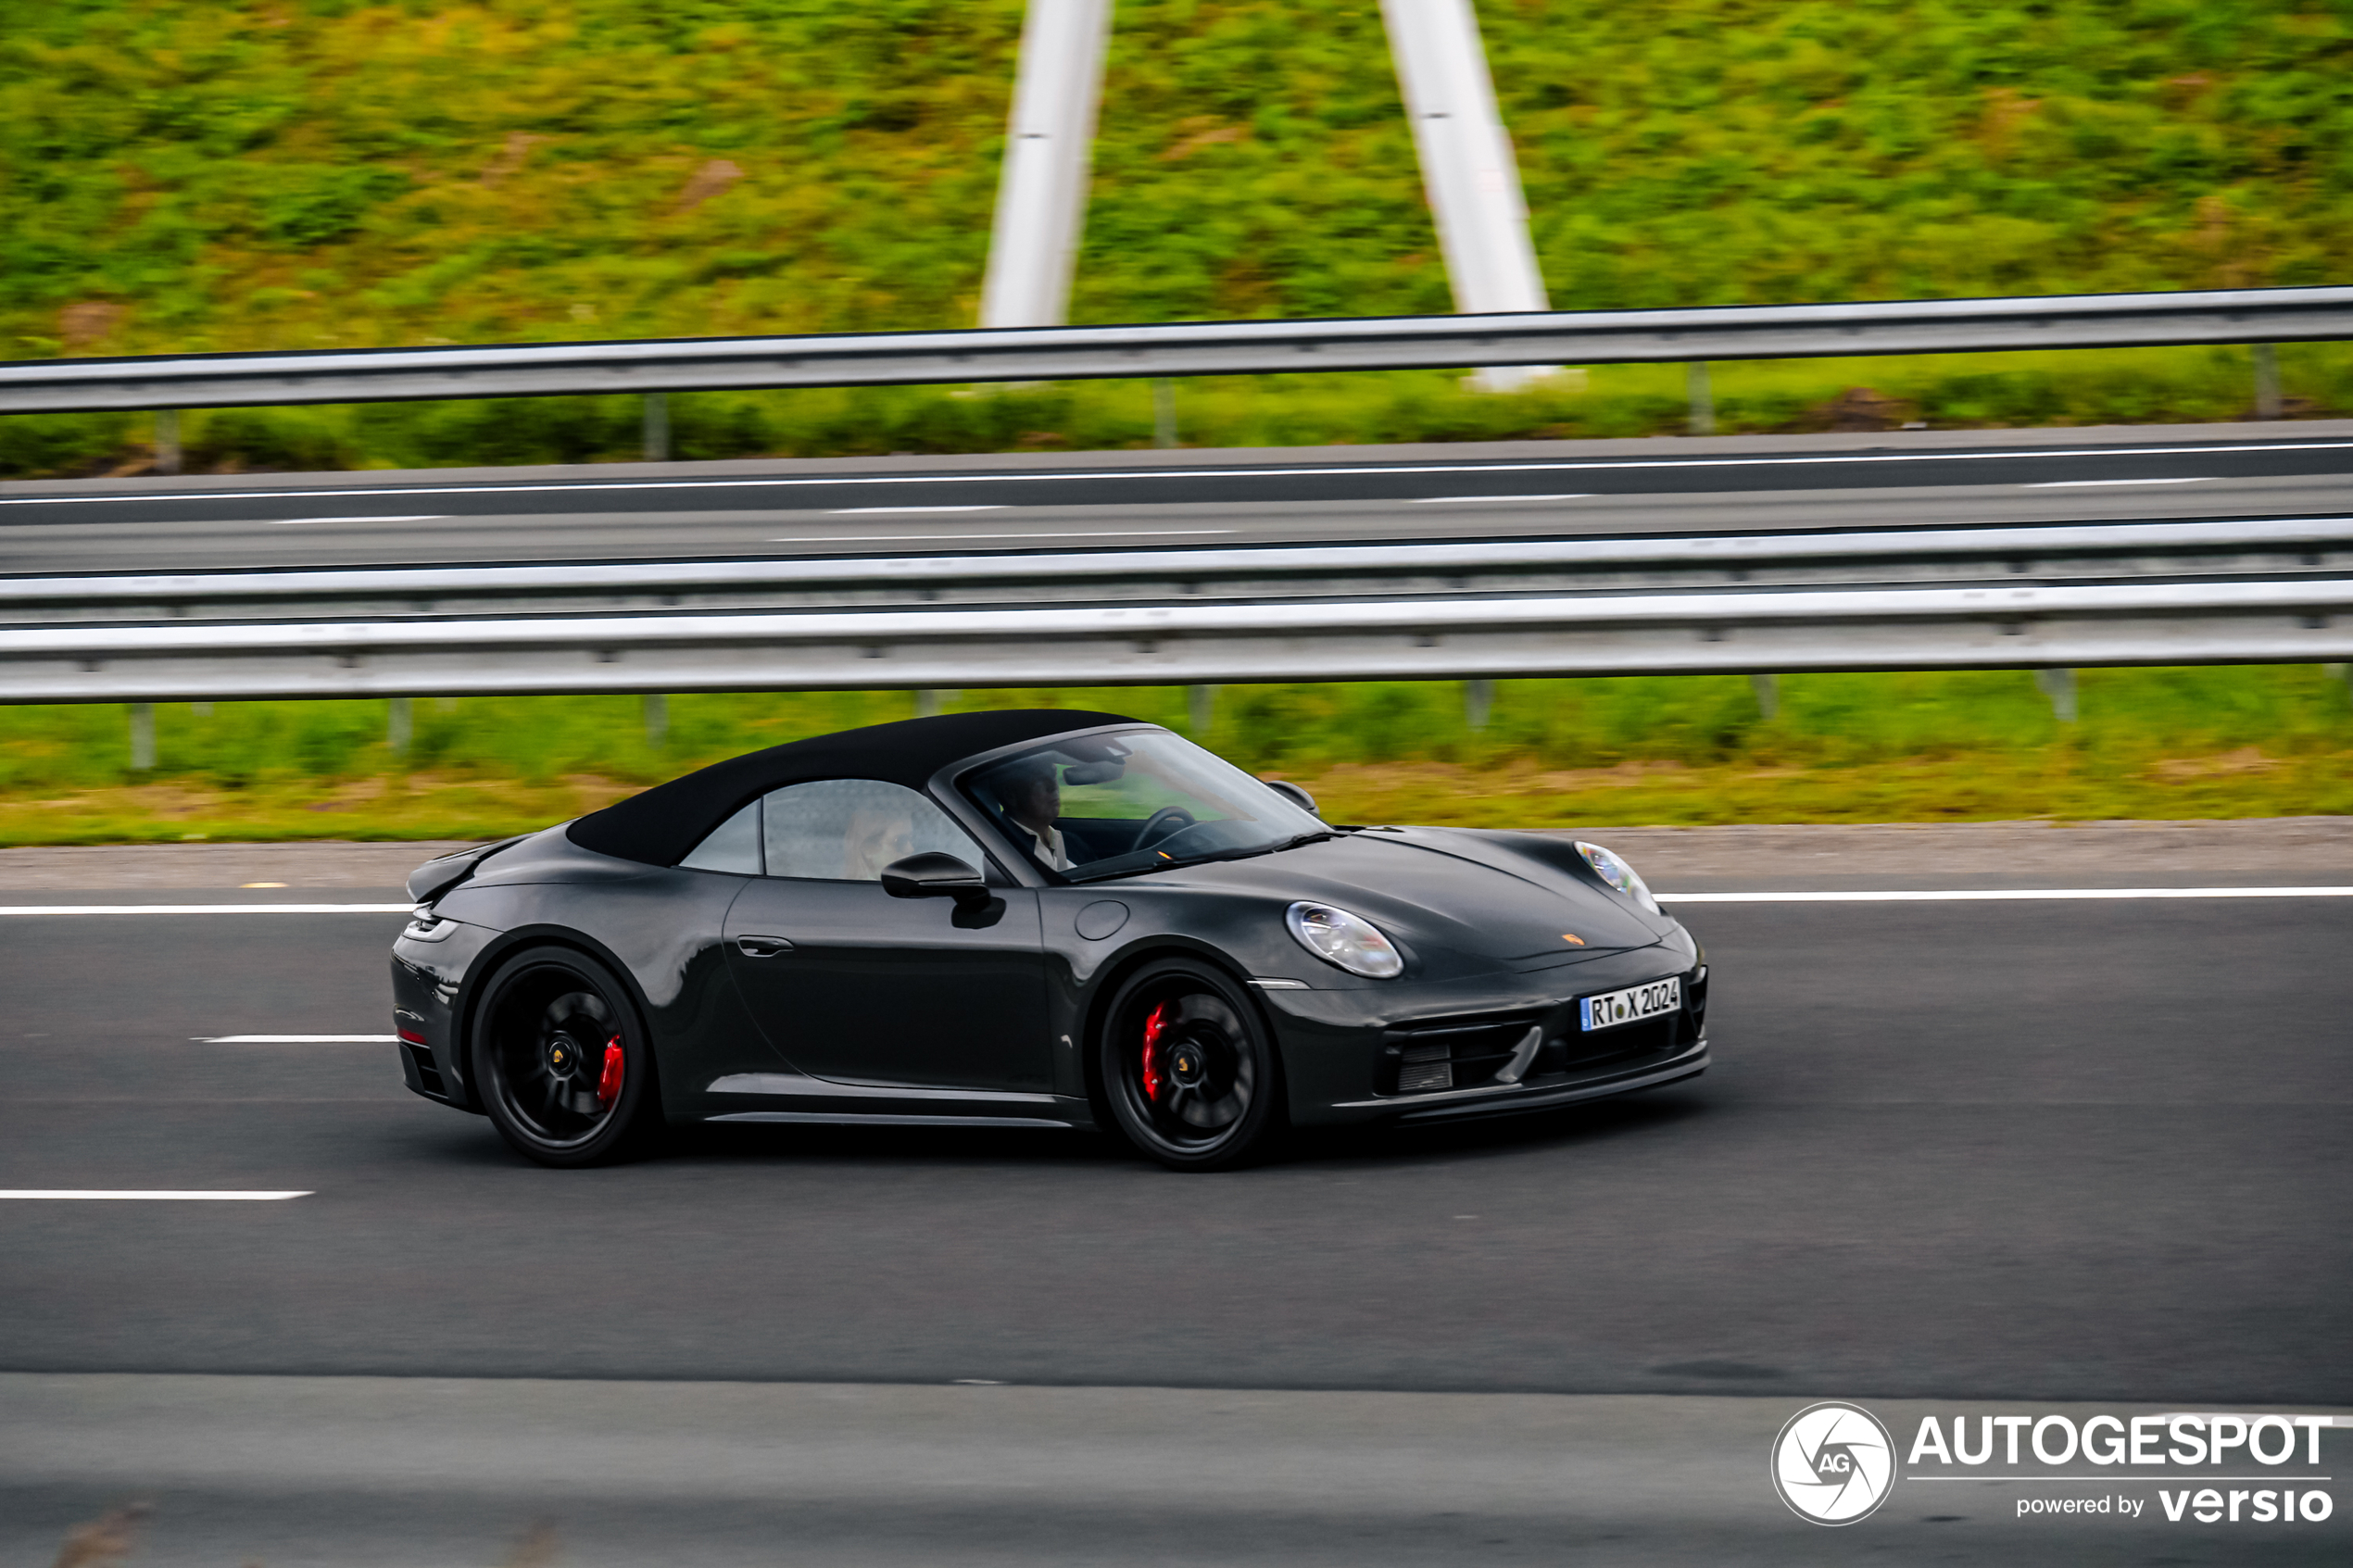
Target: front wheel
[
  {"x": 1192, "y": 1078},
  {"x": 564, "y": 1068}
]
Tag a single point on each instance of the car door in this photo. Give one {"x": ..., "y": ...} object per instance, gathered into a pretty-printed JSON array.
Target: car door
[{"x": 855, "y": 986}]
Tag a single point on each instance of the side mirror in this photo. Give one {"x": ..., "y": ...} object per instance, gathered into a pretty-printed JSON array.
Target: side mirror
[
  {"x": 1291, "y": 793},
  {"x": 933, "y": 874}
]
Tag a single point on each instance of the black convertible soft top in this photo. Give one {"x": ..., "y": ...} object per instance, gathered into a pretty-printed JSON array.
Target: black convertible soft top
[{"x": 663, "y": 824}]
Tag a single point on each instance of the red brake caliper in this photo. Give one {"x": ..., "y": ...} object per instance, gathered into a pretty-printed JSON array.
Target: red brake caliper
[
  {"x": 1155, "y": 1026},
  {"x": 609, "y": 1080}
]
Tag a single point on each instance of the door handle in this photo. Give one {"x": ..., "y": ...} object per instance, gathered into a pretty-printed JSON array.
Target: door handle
[{"x": 762, "y": 946}]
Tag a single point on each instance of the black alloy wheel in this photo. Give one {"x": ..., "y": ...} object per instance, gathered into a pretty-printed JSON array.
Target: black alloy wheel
[
  {"x": 1189, "y": 1069},
  {"x": 563, "y": 1065}
]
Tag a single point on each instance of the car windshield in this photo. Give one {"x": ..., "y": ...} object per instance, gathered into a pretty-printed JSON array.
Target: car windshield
[{"x": 1102, "y": 806}]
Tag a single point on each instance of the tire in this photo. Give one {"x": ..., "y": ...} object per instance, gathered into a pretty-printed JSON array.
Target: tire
[
  {"x": 1189, "y": 1070},
  {"x": 563, "y": 1064}
]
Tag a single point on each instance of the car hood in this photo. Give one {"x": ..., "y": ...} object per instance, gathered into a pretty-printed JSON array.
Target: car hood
[{"x": 1456, "y": 901}]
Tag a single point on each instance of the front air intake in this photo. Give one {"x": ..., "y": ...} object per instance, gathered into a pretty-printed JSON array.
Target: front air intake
[
  {"x": 1423, "y": 1068},
  {"x": 1450, "y": 1053}
]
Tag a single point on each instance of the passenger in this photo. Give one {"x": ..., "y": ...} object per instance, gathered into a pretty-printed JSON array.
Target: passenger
[
  {"x": 1032, "y": 793},
  {"x": 875, "y": 839}
]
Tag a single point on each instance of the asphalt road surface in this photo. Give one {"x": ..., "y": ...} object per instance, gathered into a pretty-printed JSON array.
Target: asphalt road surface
[
  {"x": 2021, "y": 1153},
  {"x": 1138, "y": 499}
]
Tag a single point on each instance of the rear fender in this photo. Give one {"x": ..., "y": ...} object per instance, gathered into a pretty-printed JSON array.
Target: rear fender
[{"x": 506, "y": 946}]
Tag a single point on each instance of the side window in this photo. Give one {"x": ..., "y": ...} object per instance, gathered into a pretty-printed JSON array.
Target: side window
[
  {"x": 734, "y": 846},
  {"x": 847, "y": 830}
]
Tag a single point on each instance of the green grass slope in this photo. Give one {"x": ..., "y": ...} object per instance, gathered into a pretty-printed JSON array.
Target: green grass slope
[
  {"x": 1937, "y": 747},
  {"x": 317, "y": 173}
]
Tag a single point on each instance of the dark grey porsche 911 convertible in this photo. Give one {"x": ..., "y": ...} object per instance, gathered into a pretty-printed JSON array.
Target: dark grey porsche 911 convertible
[{"x": 1027, "y": 919}]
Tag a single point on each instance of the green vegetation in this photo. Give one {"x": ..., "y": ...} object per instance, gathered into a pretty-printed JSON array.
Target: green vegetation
[
  {"x": 1922, "y": 747},
  {"x": 319, "y": 173},
  {"x": 324, "y": 173}
]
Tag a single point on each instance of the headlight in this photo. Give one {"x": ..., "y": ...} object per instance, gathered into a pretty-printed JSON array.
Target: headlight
[
  {"x": 1352, "y": 942},
  {"x": 1612, "y": 868}
]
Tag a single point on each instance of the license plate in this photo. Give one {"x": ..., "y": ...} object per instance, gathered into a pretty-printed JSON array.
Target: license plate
[{"x": 1630, "y": 1005}]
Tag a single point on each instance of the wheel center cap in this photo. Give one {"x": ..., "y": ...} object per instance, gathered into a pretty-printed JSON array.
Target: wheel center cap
[
  {"x": 562, "y": 1055},
  {"x": 1186, "y": 1066}
]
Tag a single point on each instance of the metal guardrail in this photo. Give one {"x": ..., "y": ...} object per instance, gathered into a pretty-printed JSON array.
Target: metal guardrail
[
  {"x": 2273, "y": 546},
  {"x": 1590, "y": 337},
  {"x": 1878, "y": 628},
  {"x": 2062, "y": 595}
]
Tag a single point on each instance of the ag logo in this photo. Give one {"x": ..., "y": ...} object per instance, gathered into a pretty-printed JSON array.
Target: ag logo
[{"x": 1833, "y": 1464}]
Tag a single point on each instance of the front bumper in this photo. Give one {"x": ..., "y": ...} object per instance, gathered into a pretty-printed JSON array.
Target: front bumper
[
  {"x": 1505, "y": 1099},
  {"x": 1508, "y": 1044}
]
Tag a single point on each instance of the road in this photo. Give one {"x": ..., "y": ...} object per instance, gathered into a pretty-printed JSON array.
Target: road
[
  {"x": 935, "y": 505},
  {"x": 2023, "y": 1152}
]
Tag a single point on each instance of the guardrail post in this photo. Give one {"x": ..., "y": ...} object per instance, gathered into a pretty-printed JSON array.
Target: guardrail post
[
  {"x": 657, "y": 710},
  {"x": 657, "y": 427},
  {"x": 167, "y": 441},
  {"x": 1768, "y": 694},
  {"x": 930, "y": 700},
  {"x": 1702, "y": 397},
  {"x": 1200, "y": 701},
  {"x": 1163, "y": 413},
  {"x": 1479, "y": 701},
  {"x": 400, "y": 725},
  {"x": 2267, "y": 381},
  {"x": 143, "y": 737},
  {"x": 2060, "y": 686},
  {"x": 2343, "y": 673}
]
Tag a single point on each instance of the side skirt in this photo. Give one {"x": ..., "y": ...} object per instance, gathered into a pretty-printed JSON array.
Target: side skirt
[{"x": 853, "y": 1118}]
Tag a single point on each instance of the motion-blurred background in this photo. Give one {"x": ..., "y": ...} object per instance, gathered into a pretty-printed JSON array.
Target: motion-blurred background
[{"x": 323, "y": 174}]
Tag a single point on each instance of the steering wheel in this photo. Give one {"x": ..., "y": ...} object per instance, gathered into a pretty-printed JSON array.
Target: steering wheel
[{"x": 1165, "y": 823}]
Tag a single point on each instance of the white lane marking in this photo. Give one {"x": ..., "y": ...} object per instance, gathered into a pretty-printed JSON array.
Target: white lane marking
[
  {"x": 131, "y": 1195},
  {"x": 297, "y": 1039},
  {"x": 2089, "y": 483},
  {"x": 208, "y": 908},
  {"x": 894, "y": 512},
  {"x": 1102, "y": 534},
  {"x": 1595, "y": 465},
  {"x": 1466, "y": 500},
  {"x": 410, "y": 517},
  {"x": 1999, "y": 895}
]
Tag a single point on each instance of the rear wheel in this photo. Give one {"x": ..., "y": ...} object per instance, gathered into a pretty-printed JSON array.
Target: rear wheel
[
  {"x": 1190, "y": 1074},
  {"x": 563, "y": 1066}
]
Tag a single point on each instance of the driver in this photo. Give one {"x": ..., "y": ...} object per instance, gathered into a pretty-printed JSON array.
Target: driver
[{"x": 1032, "y": 793}]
